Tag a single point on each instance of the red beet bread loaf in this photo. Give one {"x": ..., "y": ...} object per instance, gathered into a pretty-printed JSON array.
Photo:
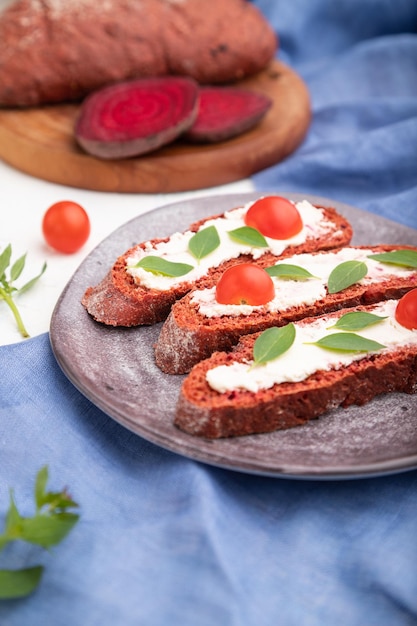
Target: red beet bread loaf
[
  {"x": 54, "y": 51},
  {"x": 308, "y": 385},
  {"x": 197, "y": 325},
  {"x": 132, "y": 296}
]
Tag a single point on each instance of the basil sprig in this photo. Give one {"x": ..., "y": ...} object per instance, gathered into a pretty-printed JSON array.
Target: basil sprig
[
  {"x": 204, "y": 242},
  {"x": 348, "y": 342},
  {"x": 8, "y": 290},
  {"x": 346, "y": 274},
  {"x": 357, "y": 320},
  {"x": 405, "y": 258},
  {"x": 158, "y": 265},
  {"x": 50, "y": 524},
  {"x": 289, "y": 272},
  {"x": 19, "y": 583},
  {"x": 272, "y": 343},
  {"x": 248, "y": 236}
]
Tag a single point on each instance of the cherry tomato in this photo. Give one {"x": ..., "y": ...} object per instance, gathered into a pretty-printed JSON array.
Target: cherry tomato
[
  {"x": 274, "y": 217},
  {"x": 406, "y": 311},
  {"x": 66, "y": 226},
  {"x": 245, "y": 284}
]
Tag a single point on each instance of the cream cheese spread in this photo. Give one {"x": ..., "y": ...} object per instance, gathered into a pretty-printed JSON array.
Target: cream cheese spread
[
  {"x": 304, "y": 359},
  {"x": 292, "y": 293},
  {"x": 176, "y": 248}
]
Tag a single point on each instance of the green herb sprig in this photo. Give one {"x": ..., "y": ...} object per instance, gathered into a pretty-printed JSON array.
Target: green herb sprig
[
  {"x": 50, "y": 524},
  {"x": 7, "y": 287}
]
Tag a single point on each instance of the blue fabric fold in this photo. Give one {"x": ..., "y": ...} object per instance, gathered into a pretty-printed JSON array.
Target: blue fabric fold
[
  {"x": 166, "y": 540},
  {"x": 361, "y": 147}
]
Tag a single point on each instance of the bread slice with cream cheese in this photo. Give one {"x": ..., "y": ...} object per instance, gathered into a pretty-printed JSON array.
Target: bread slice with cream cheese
[
  {"x": 197, "y": 325},
  {"x": 229, "y": 394},
  {"x": 131, "y": 296}
]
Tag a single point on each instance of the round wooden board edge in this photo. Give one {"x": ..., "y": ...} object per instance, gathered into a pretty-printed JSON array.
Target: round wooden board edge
[{"x": 40, "y": 142}]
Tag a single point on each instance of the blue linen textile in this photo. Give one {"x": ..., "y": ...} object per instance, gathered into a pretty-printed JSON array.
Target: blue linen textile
[
  {"x": 359, "y": 60},
  {"x": 164, "y": 540}
]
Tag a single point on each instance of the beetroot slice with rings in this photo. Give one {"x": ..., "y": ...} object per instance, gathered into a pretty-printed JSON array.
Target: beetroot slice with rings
[
  {"x": 136, "y": 117},
  {"x": 225, "y": 112}
]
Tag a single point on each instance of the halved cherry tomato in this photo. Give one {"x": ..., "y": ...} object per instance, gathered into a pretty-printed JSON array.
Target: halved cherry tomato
[
  {"x": 66, "y": 226},
  {"x": 274, "y": 217},
  {"x": 245, "y": 284},
  {"x": 406, "y": 311}
]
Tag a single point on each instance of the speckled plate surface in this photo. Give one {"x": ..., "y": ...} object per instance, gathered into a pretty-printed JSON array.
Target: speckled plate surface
[{"x": 115, "y": 369}]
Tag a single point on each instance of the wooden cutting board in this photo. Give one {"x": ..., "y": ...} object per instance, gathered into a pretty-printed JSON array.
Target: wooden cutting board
[{"x": 40, "y": 142}]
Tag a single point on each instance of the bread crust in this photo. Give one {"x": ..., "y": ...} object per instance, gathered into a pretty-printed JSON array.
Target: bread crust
[
  {"x": 118, "y": 301},
  {"x": 203, "y": 412},
  {"x": 53, "y": 51},
  {"x": 188, "y": 336}
]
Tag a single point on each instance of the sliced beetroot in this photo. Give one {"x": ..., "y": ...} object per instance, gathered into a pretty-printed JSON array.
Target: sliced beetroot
[
  {"x": 225, "y": 112},
  {"x": 135, "y": 117}
]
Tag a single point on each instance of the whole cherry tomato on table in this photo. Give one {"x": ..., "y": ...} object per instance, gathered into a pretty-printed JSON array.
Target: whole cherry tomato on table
[
  {"x": 66, "y": 226},
  {"x": 274, "y": 217},
  {"x": 245, "y": 284},
  {"x": 406, "y": 310}
]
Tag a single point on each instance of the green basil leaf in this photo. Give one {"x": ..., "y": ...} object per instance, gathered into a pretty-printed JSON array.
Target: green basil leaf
[
  {"x": 272, "y": 343},
  {"x": 47, "y": 531},
  {"x": 19, "y": 583},
  {"x": 204, "y": 242},
  {"x": 346, "y": 274},
  {"x": 12, "y": 525},
  {"x": 5, "y": 257},
  {"x": 61, "y": 501},
  {"x": 29, "y": 284},
  {"x": 13, "y": 519},
  {"x": 288, "y": 271},
  {"x": 249, "y": 236},
  {"x": 357, "y": 320},
  {"x": 40, "y": 486},
  {"x": 58, "y": 500},
  {"x": 17, "y": 268},
  {"x": 55, "y": 500},
  {"x": 348, "y": 342},
  {"x": 157, "y": 265},
  {"x": 406, "y": 258},
  {"x": 4, "y": 540}
]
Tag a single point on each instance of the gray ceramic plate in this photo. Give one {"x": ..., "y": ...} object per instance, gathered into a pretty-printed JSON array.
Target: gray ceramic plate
[{"x": 115, "y": 369}]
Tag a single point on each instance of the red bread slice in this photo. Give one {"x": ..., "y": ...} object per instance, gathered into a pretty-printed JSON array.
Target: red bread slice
[
  {"x": 118, "y": 301},
  {"x": 189, "y": 336},
  {"x": 204, "y": 412}
]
